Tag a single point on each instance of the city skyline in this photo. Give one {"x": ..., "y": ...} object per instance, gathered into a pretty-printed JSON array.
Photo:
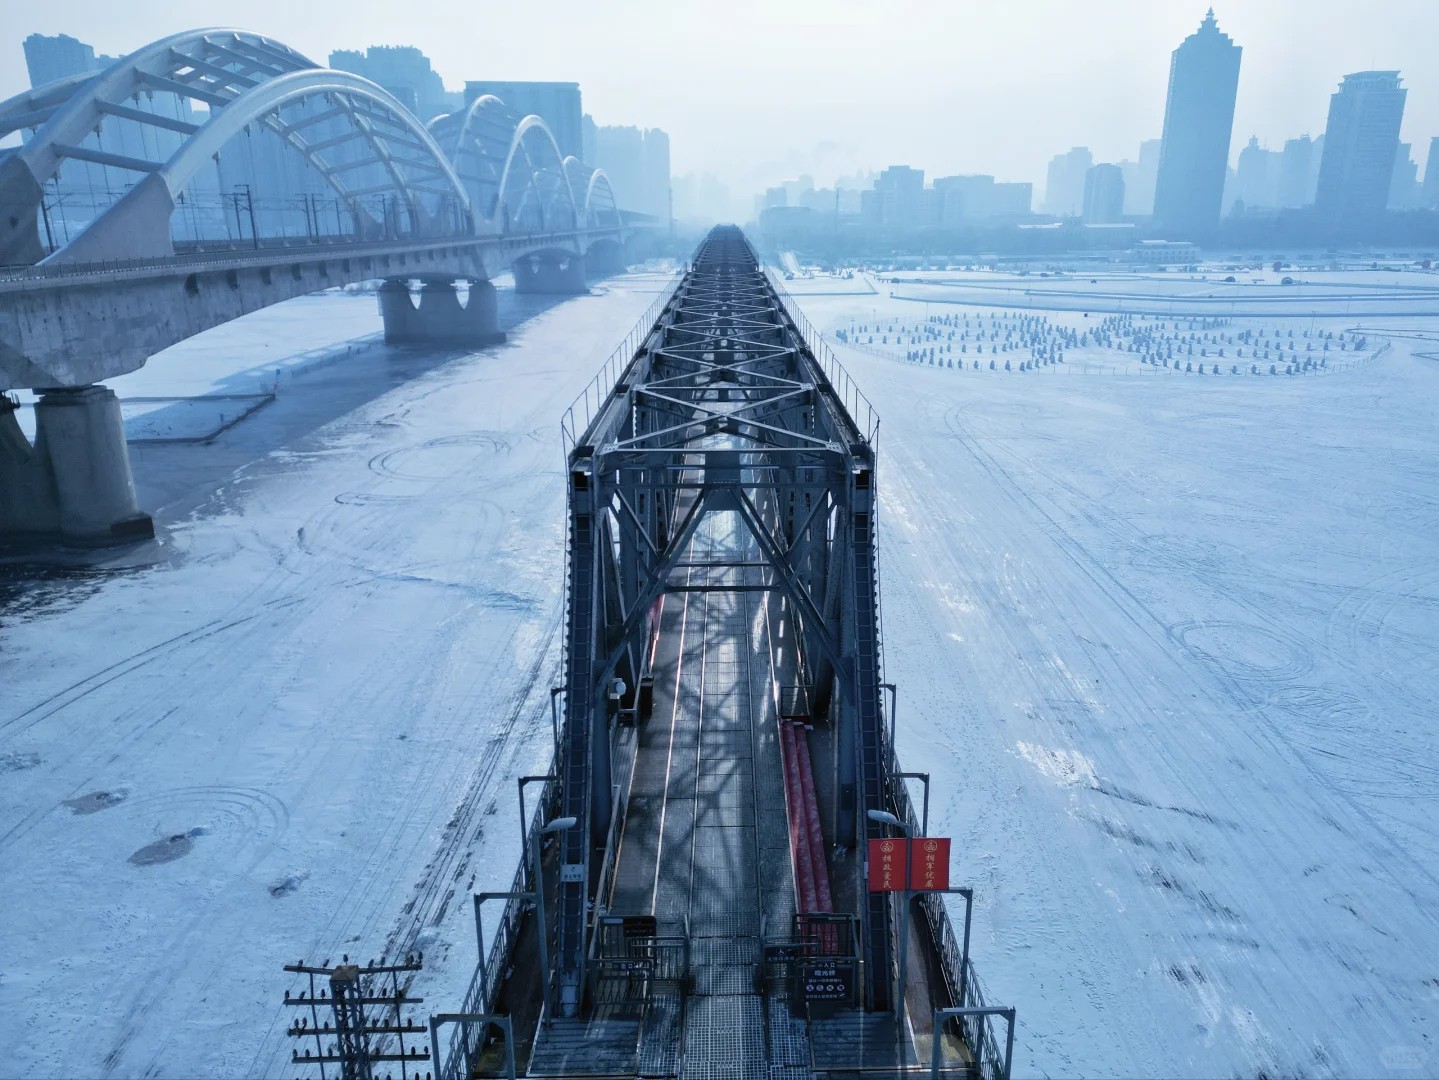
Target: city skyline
[{"x": 1006, "y": 83}]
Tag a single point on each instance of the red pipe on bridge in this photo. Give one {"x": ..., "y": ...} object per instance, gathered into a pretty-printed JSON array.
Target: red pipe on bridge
[{"x": 811, "y": 869}]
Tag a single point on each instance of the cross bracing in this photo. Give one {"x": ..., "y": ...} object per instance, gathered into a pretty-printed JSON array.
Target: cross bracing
[{"x": 723, "y": 411}]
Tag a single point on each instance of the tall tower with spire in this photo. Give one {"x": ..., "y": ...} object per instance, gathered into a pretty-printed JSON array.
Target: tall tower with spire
[{"x": 1198, "y": 123}]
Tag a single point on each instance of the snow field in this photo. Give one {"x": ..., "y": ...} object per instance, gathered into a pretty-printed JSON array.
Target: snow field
[
  {"x": 1165, "y": 645},
  {"x": 296, "y": 733}
]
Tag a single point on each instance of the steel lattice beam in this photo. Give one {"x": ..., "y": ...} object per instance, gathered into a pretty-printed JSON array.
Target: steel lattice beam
[{"x": 723, "y": 408}]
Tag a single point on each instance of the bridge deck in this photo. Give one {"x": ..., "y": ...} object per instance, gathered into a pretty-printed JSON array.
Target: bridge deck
[
  {"x": 724, "y": 476},
  {"x": 704, "y": 849}
]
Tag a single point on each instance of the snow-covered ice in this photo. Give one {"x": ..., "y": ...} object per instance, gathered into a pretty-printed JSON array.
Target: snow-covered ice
[
  {"x": 317, "y": 702},
  {"x": 1165, "y": 644}
]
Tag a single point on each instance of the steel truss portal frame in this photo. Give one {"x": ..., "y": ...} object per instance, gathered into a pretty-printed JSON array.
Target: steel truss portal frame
[{"x": 723, "y": 409}]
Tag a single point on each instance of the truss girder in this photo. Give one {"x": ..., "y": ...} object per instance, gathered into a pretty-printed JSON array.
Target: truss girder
[{"x": 723, "y": 409}]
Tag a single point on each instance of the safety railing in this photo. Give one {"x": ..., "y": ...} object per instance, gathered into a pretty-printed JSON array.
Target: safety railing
[
  {"x": 490, "y": 972},
  {"x": 958, "y": 972},
  {"x": 227, "y": 257},
  {"x": 582, "y": 410},
  {"x": 861, "y": 411}
]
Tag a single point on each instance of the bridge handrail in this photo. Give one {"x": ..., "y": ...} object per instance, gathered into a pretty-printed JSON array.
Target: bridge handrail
[
  {"x": 582, "y": 410},
  {"x": 861, "y": 411},
  {"x": 247, "y": 253},
  {"x": 619, "y": 810},
  {"x": 489, "y": 975},
  {"x": 853, "y": 400},
  {"x": 960, "y": 977}
]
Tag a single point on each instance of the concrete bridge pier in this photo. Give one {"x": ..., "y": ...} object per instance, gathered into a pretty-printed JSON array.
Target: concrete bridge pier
[
  {"x": 554, "y": 276},
  {"x": 604, "y": 260},
  {"x": 75, "y": 481},
  {"x": 440, "y": 318}
]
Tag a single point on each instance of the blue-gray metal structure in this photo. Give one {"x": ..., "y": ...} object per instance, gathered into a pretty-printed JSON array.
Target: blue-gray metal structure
[
  {"x": 215, "y": 172},
  {"x": 218, "y": 137},
  {"x": 725, "y": 407}
]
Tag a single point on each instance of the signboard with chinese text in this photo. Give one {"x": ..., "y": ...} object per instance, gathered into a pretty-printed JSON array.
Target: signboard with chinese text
[
  {"x": 919, "y": 865},
  {"x": 828, "y": 980},
  {"x": 929, "y": 863},
  {"x": 888, "y": 865}
]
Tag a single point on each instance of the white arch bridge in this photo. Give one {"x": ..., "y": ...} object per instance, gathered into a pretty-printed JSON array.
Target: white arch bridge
[{"x": 216, "y": 172}]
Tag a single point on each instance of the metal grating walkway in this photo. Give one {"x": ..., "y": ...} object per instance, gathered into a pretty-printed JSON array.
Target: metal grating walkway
[{"x": 706, "y": 801}]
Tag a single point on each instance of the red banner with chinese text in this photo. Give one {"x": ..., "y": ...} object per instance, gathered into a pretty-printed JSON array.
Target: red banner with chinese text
[
  {"x": 929, "y": 863},
  {"x": 888, "y": 863}
]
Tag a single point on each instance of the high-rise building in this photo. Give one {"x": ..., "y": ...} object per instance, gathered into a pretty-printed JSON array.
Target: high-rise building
[
  {"x": 795, "y": 189},
  {"x": 620, "y": 152},
  {"x": 50, "y": 58},
  {"x": 1404, "y": 184},
  {"x": 1256, "y": 179},
  {"x": 556, "y": 103},
  {"x": 1012, "y": 200},
  {"x": 637, "y": 163},
  {"x": 1104, "y": 195},
  {"x": 1299, "y": 171},
  {"x": 1361, "y": 141},
  {"x": 1430, "y": 192},
  {"x": 655, "y": 166},
  {"x": 1139, "y": 177},
  {"x": 1198, "y": 123},
  {"x": 900, "y": 191},
  {"x": 405, "y": 72},
  {"x": 963, "y": 200},
  {"x": 1064, "y": 182}
]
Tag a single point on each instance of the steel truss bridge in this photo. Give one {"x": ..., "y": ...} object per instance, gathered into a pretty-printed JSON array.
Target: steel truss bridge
[{"x": 693, "y": 901}]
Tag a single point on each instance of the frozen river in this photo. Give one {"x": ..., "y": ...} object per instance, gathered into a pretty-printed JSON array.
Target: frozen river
[
  {"x": 311, "y": 711},
  {"x": 1165, "y": 643}
]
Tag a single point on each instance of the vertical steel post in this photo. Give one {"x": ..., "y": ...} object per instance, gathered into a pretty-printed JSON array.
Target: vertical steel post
[
  {"x": 964, "y": 952},
  {"x": 543, "y": 931}
]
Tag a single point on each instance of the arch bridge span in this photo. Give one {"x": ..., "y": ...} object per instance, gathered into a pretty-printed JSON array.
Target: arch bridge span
[
  {"x": 222, "y": 139},
  {"x": 218, "y": 171}
]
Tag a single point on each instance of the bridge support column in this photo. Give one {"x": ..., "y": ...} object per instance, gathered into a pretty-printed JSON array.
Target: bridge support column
[
  {"x": 75, "y": 482},
  {"x": 440, "y": 318},
  {"x": 605, "y": 260},
  {"x": 554, "y": 277}
]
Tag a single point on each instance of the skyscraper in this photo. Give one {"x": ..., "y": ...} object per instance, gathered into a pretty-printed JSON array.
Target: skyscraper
[
  {"x": 404, "y": 71},
  {"x": 1198, "y": 122},
  {"x": 1104, "y": 195},
  {"x": 1361, "y": 142},
  {"x": 1011, "y": 199},
  {"x": 637, "y": 162},
  {"x": 1430, "y": 191},
  {"x": 1298, "y": 171},
  {"x": 556, "y": 103},
  {"x": 1064, "y": 183},
  {"x": 963, "y": 200},
  {"x": 901, "y": 197},
  {"x": 1139, "y": 178},
  {"x": 1404, "y": 183},
  {"x": 1257, "y": 178},
  {"x": 655, "y": 165},
  {"x": 50, "y": 58}
]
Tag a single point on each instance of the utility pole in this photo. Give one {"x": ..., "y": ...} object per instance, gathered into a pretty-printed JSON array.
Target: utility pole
[
  {"x": 250, "y": 203},
  {"x": 362, "y": 1002}
]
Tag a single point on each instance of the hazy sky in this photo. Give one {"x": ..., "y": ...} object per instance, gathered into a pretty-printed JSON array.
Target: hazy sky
[{"x": 749, "y": 90}]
